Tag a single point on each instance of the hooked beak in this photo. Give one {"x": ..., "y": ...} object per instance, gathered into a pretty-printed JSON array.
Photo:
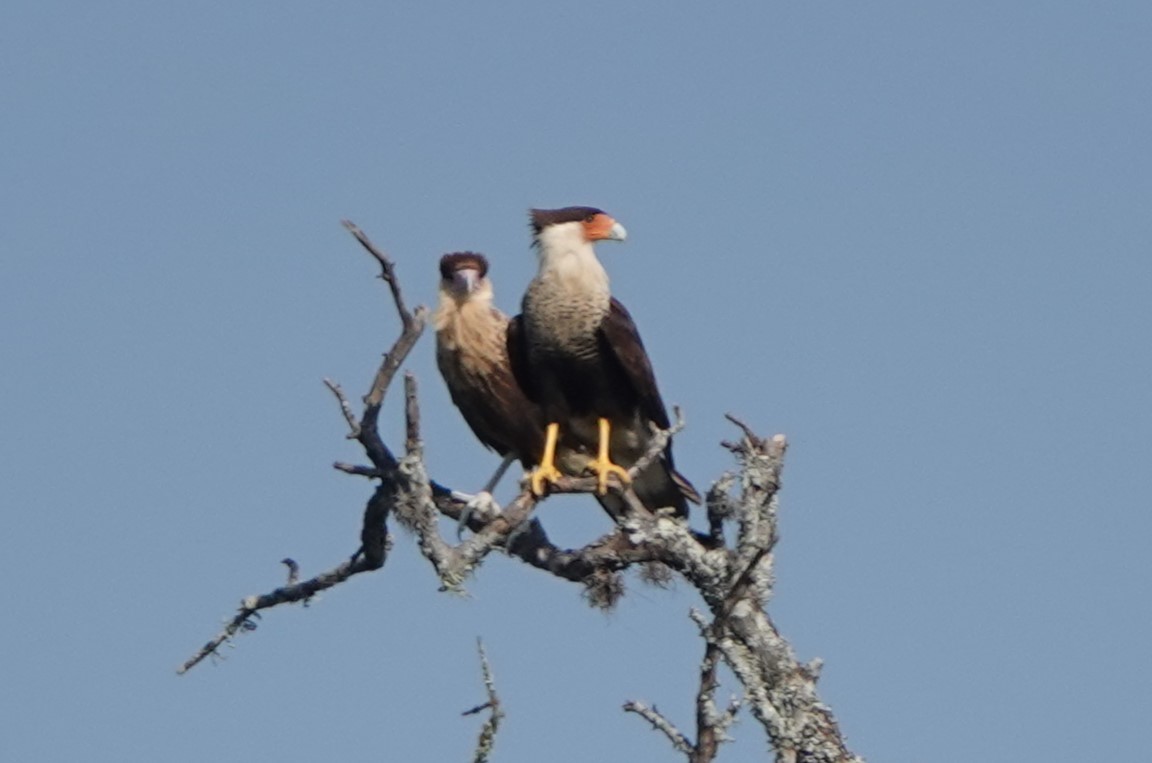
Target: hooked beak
[
  {"x": 617, "y": 233},
  {"x": 465, "y": 280}
]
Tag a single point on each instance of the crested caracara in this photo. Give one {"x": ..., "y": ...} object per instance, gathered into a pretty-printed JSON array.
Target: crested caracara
[
  {"x": 472, "y": 354},
  {"x": 578, "y": 354}
]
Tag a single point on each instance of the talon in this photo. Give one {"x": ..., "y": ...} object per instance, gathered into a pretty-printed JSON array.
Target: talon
[
  {"x": 546, "y": 472},
  {"x": 603, "y": 469},
  {"x": 603, "y": 465},
  {"x": 541, "y": 477},
  {"x": 482, "y": 503}
]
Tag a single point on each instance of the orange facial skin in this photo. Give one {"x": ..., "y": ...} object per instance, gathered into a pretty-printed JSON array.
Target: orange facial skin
[{"x": 598, "y": 227}]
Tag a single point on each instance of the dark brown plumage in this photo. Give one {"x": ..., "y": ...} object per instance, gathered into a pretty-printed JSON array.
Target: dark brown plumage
[{"x": 577, "y": 352}]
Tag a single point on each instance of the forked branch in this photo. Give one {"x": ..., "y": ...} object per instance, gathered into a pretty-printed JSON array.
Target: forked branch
[{"x": 733, "y": 577}]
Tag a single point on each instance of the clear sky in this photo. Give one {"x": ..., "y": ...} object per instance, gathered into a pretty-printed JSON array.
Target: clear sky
[{"x": 912, "y": 236}]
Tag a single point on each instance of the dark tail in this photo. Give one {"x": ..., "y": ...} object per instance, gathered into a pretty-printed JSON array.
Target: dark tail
[{"x": 659, "y": 487}]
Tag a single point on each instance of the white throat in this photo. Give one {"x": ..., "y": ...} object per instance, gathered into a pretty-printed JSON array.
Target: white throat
[
  {"x": 567, "y": 256},
  {"x": 454, "y": 309}
]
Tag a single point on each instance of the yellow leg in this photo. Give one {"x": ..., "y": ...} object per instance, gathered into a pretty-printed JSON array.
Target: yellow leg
[
  {"x": 603, "y": 465},
  {"x": 546, "y": 472}
]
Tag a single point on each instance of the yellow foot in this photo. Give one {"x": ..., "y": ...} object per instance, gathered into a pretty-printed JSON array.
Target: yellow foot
[
  {"x": 605, "y": 467},
  {"x": 541, "y": 477},
  {"x": 546, "y": 472}
]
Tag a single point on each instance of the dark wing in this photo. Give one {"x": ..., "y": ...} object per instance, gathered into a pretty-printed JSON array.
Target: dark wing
[
  {"x": 622, "y": 346},
  {"x": 623, "y": 350},
  {"x": 516, "y": 342}
]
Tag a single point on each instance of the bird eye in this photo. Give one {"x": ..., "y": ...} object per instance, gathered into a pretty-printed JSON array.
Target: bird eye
[{"x": 590, "y": 218}]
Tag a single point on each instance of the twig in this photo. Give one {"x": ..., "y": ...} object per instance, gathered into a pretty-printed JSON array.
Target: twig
[
  {"x": 487, "y": 737},
  {"x": 359, "y": 470},
  {"x": 387, "y": 271},
  {"x": 659, "y": 442},
  {"x": 293, "y": 570},
  {"x": 707, "y": 736},
  {"x": 374, "y": 538},
  {"x": 711, "y": 724},
  {"x": 412, "y": 324},
  {"x": 388, "y": 368},
  {"x": 749, "y": 435},
  {"x": 345, "y": 408},
  {"x": 244, "y": 620},
  {"x": 412, "y": 443},
  {"x": 720, "y": 507},
  {"x": 661, "y": 724}
]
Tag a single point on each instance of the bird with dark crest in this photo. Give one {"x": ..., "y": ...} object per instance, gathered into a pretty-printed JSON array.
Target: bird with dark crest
[{"x": 576, "y": 351}]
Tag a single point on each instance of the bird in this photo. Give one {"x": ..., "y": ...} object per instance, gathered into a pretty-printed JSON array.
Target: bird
[
  {"x": 472, "y": 355},
  {"x": 577, "y": 353}
]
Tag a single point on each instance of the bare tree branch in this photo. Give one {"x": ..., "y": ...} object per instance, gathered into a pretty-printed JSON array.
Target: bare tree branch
[
  {"x": 660, "y": 440},
  {"x": 374, "y": 538},
  {"x": 358, "y": 469},
  {"x": 661, "y": 724},
  {"x": 293, "y": 570},
  {"x": 244, "y": 619},
  {"x": 710, "y": 723},
  {"x": 345, "y": 408},
  {"x": 387, "y": 271},
  {"x": 736, "y": 583},
  {"x": 731, "y": 566},
  {"x": 488, "y": 732}
]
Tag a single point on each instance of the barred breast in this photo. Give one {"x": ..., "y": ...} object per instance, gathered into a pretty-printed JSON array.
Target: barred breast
[{"x": 561, "y": 322}]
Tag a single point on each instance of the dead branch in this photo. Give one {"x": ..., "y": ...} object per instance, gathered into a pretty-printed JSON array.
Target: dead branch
[
  {"x": 487, "y": 737},
  {"x": 711, "y": 724},
  {"x": 245, "y": 619},
  {"x": 345, "y": 408},
  {"x": 661, "y": 724},
  {"x": 387, "y": 272},
  {"x": 374, "y": 538},
  {"x": 734, "y": 578}
]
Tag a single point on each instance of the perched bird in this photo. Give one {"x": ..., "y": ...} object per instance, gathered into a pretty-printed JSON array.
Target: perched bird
[
  {"x": 576, "y": 352},
  {"x": 472, "y": 354}
]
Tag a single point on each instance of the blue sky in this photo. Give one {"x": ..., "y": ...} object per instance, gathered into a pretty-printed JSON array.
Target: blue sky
[{"x": 913, "y": 237}]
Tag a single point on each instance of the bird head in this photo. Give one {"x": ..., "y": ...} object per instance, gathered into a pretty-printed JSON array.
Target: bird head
[
  {"x": 588, "y": 223},
  {"x": 464, "y": 275}
]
